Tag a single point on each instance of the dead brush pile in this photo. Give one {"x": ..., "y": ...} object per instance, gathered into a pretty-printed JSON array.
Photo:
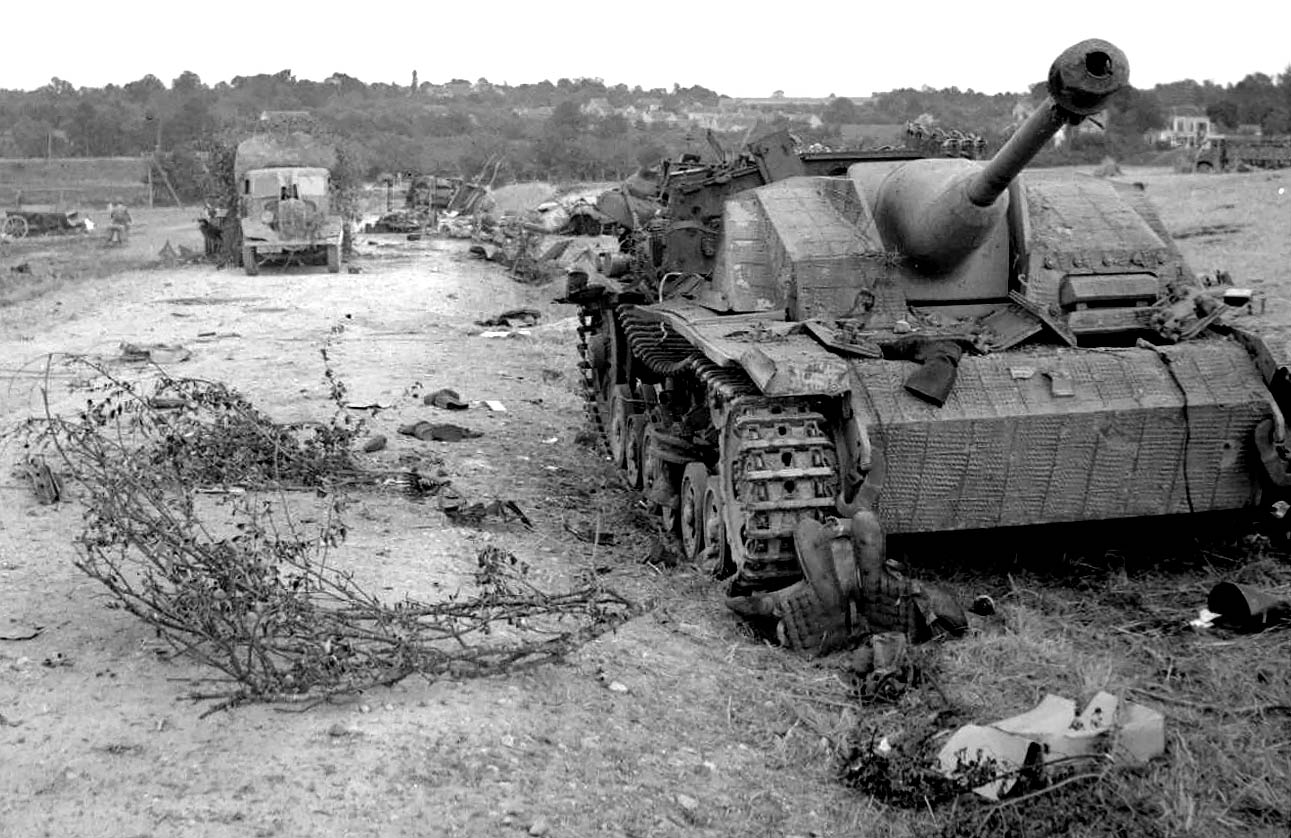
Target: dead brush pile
[
  {"x": 1085, "y": 620},
  {"x": 238, "y": 581}
]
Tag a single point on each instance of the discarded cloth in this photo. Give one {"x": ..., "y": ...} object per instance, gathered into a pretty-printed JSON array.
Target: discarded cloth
[
  {"x": 513, "y": 317},
  {"x": 443, "y": 432},
  {"x": 446, "y": 399}
]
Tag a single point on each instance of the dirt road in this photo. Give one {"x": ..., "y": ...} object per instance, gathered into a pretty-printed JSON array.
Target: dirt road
[{"x": 98, "y": 738}]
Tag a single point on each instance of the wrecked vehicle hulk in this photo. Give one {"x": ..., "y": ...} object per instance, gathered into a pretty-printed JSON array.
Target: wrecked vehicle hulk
[
  {"x": 285, "y": 201},
  {"x": 795, "y": 357}
]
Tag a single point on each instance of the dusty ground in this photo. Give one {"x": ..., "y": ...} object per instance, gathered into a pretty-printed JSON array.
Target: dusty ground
[{"x": 716, "y": 733}]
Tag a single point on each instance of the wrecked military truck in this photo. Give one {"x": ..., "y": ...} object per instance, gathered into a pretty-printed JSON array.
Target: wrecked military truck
[
  {"x": 793, "y": 358},
  {"x": 285, "y": 200}
]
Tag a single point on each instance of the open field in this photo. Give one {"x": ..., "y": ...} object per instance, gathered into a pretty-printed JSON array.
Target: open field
[
  {"x": 709, "y": 732},
  {"x": 53, "y": 261},
  {"x": 72, "y": 182}
]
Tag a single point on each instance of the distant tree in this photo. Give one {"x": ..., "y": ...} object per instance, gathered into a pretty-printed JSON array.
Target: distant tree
[
  {"x": 187, "y": 83},
  {"x": 1224, "y": 114},
  {"x": 613, "y": 125},
  {"x": 650, "y": 154},
  {"x": 567, "y": 121},
  {"x": 1277, "y": 121},
  {"x": 1136, "y": 111},
  {"x": 139, "y": 90},
  {"x": 840, "y": 111}
]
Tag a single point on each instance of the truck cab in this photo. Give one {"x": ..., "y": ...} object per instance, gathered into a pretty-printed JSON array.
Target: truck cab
[{"x": 285, "y": 203}]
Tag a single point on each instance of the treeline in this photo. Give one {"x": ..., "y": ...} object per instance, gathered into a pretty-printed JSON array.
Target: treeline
[{"x": 544, "y": 130}]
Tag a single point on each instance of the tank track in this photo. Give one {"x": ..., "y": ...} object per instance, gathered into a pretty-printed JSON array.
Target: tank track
[
  {"x": 783, "y": 468},
  {"x": 781, "y": 462},
  {"x": 590, "y": 321}
]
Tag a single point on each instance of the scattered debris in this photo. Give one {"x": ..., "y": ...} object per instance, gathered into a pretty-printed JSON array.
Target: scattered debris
[
  {"x": 374, "y": 444},
  {"x": 487, "y": 252},
  {"x": 884, "y": 667},
  {"x": 56, "y": 660},
  {"x": 47, "y": 486},
  {"x": 445, "y": 399},
  {"x": 441, "y": 432},
  {"x": 155, "y": 353},
  {"x": 514, "y": 333},
  {"x": 513, "y": 318},
  {"x": 473, "y": 514},
  {"x": 495, "y": 406},
  {"x": 1244, "y": 608},
  {"x": 590, "y": 536},
  {"x": 1123, "y": 731},
  {"x": 171, "y": 257}
]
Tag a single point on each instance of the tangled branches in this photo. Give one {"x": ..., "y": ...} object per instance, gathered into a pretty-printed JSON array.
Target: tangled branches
[{"x": 237, "y": 581}]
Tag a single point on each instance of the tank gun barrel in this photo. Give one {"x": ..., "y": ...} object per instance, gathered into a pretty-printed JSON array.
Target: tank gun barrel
[{"x": 1081, "y": 81}]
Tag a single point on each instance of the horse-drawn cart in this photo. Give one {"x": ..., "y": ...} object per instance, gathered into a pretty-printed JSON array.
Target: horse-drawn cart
[{"x": 20, "y": 223}]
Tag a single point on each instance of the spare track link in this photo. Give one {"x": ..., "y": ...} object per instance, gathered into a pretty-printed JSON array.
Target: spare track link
[
  {"x": 659, "y": 347},
  {"x": 784, "y": 468}
]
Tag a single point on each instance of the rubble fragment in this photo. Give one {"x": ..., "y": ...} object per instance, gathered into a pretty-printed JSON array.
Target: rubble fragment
[
  {"x": 156, "y": 353},
  {"x": 1123, "y": 731}
]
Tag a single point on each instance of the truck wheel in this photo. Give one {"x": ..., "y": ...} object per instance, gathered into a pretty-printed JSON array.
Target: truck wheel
[
  {"x": 333, "y": 258},
  {"x": 249, "y": 263},
  {"x": 15, "y": 227}
]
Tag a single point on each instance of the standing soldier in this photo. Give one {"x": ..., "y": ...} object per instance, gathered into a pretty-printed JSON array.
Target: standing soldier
[{"x": 119, "y": 229}]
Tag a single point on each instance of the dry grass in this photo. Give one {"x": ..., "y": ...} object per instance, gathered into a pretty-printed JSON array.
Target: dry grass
[
  {"x": 1100, "y": 620},
  {"x": 1111, "y": 615}
]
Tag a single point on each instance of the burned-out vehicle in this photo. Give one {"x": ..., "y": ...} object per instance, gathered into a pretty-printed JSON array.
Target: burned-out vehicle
[
  {"x": 285, "y": 200},
  {"x": 794, "y": 357}
]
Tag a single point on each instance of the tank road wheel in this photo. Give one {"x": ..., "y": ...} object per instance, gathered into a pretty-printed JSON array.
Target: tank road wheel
[
  {"x": 694, "y": 480},
  {"x": 658, "y": 484},
  {"x": 15, "y": 227},
  {"x": 620, "y": 413},
  {"x": 633, "y": 448},
  {"x": 249, "y": 263},
  {"x": 333, "y": 258},
  {"x": 717, "y": 553}
]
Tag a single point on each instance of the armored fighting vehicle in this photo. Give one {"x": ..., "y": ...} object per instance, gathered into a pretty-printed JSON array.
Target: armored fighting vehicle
[
  {"x": 791, "y": 341},
  {"x": 1219, "y": 153},
  {"x": 285, "y": 201}
]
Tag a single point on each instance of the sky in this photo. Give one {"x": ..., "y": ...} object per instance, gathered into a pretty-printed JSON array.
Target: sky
[{"x": 749, "y": 49}]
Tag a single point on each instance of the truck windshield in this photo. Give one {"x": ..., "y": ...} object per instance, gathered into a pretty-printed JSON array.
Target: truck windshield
[{"x": 269, "y": 183}]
